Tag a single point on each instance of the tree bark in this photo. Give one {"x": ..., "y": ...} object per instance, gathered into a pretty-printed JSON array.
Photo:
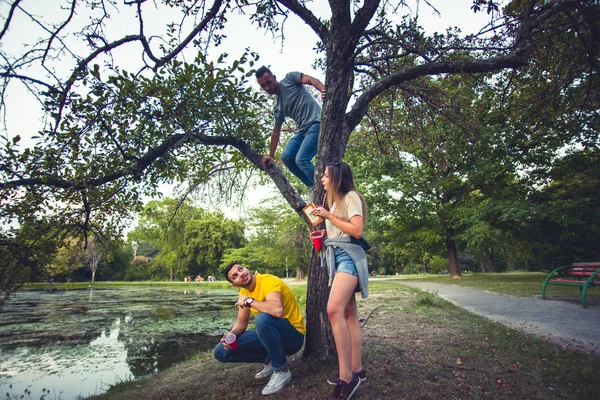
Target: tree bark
[
  {"x": 94, "y": 267},
  {"x": 452, "y": 254},
  {"x": 319, "y": 338},
  {"x": 299, "y": 273},
  {"x": 481, "y": 264},
  {"x": 490, "y": 259},
  {"x": 333, "y": 138}
]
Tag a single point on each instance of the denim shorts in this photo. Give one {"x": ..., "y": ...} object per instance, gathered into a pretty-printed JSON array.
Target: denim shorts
[{"x": 344, "y": 263}]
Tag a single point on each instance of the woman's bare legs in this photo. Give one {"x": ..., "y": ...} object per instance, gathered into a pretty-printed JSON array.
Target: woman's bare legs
[
  {"x": 353, "y": 323},
  {"x": 341, "y": 298}
]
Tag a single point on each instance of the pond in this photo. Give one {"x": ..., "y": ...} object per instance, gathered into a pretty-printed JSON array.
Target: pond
[{"x": 76, "y": 343}]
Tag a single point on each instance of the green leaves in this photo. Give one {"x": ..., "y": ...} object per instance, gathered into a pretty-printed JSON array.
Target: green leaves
[
  {"x": 126, "y": 134},
  {"x": 189, "y": 240},
  {"x": 278, "y": 240}
]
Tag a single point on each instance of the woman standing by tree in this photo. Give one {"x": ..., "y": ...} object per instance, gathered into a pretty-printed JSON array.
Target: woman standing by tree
[{"x": 348, "y": 273}]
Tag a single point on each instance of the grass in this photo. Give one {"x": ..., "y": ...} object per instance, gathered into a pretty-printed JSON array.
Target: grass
[
  {"x": 520, "y": 284},
  {"x": 416, "y": 346}
]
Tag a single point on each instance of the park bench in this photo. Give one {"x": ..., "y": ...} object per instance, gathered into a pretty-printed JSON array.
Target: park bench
[{"x": 583, "y": 275}]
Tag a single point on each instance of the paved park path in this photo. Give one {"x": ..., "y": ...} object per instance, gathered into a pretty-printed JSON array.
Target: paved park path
[{"x": 561, "y": 321}]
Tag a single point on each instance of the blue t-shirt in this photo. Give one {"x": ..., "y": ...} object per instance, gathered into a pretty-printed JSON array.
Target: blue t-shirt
[{"x": 296, "y": 102}]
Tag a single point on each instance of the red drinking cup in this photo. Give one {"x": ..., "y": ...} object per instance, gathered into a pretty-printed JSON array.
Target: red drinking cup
[
  {"x": 317, "y": 240},
  {"x": 231, "y": 340}
]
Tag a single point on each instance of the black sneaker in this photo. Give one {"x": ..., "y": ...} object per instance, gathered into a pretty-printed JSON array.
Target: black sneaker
[
  {"x": 344, "y": 391},
  {"x": 333, "y": 380}
]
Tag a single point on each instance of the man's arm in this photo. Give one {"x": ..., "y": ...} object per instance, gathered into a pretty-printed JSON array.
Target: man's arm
[
  {"x": 266, "y": 161},
  {"x": 273, "y": 304},
  {"x": 241, "y": 324},
  {"x": 314, "y": 82}
]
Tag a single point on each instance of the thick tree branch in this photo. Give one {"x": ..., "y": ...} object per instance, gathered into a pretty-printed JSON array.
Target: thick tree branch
[
  {"x": 513, "y": 60},
  {"x": 136, "y": 171},
  {"x": 359, "y": 109},
  {"x": 308, "y": 17},
  {"x": 363, "y": 17}
]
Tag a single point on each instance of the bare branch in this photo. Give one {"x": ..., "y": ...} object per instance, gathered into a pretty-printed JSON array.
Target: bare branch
[
  {"x": 27, "y": 78},
  {"x": 60, "y": 28},
  {"x": 199, "y": 28},
  {"x": 9, "y": 18},
  {"x": 363, "y": 17},
  {"x": 308, "y": 17}
]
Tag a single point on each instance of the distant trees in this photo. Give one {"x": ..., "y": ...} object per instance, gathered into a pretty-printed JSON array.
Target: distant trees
[
  {"x": 68, "y": 259},
  {"x": 480, "y": 161},
  {"x": 278, "y": 242},
  {"x": 75, "y": 254},
  {"x": 187, "y": 239},
  {"x": 563, "y": 224}
]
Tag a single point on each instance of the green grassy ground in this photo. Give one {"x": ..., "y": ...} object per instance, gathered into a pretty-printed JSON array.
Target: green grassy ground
[{"x": 520, "y": 284}]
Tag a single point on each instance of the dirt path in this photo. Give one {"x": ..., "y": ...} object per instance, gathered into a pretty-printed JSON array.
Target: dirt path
[{"x": 563, "y": 322}]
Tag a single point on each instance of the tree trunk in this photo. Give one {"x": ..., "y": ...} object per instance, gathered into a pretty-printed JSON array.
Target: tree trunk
[
  {"x": 482, "y": 265},
  {"x": 490, "y": 258},
  {"x": 452, "y": 255},
  {"x": 299, "y": 272},
  {"x": 319, "y": 338},
  {"x": 333, "y": 137},
  {"x": 94, "y": 267}
]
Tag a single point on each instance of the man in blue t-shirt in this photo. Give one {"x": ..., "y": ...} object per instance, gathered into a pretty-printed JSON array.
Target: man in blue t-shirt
[{"x": 296, "y": 102}]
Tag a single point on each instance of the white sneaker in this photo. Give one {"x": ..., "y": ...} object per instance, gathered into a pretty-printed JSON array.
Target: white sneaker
[
  {"x": 265, "y": 373},
  {"x": 277, "y": 382}
]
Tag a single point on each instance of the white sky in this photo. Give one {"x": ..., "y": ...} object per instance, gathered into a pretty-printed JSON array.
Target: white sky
[{"x": 297, "y": 53}]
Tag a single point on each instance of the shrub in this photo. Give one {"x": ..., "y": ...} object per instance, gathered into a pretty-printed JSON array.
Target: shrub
[
  {"x": 437, "y": 264},
  {"x": 426, "y": 299}
]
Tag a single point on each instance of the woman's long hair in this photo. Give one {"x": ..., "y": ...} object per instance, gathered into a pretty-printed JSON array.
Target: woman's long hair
[{"x": 341, "y": 182}]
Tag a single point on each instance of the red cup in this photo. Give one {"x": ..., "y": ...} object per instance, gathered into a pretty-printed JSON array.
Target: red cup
[
  {"x": 231, "y": 340},
  {"x": 317, "y": 240}
]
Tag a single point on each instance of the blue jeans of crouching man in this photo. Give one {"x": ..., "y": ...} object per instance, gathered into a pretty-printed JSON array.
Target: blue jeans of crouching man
[{"x": 273, "y": 339}]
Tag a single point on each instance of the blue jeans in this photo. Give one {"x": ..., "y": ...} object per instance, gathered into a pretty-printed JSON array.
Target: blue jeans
[
  {"x": 273, "y": 339},
  {"x": 299, "y": 152}
]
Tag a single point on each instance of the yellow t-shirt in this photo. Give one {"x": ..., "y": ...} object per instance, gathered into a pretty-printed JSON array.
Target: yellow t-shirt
[{"x": 267, "y": 283}]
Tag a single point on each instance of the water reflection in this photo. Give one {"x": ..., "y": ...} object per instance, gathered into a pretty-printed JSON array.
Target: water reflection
[{"x": 78, "y": 342}]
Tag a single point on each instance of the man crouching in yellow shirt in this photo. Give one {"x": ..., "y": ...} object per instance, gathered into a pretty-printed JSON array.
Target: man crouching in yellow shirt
[{"x": 278, "y": 321}]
